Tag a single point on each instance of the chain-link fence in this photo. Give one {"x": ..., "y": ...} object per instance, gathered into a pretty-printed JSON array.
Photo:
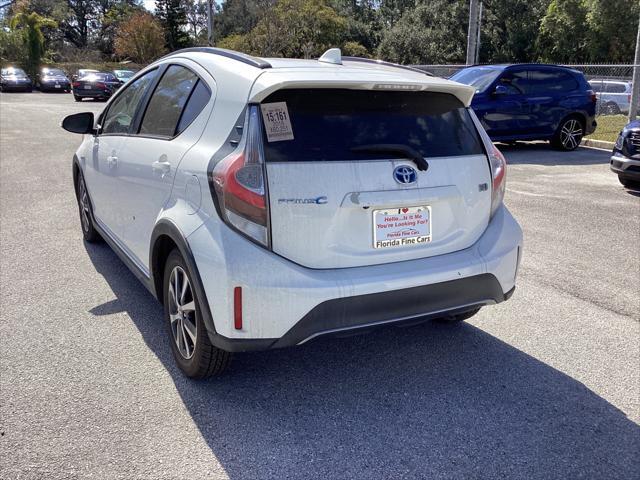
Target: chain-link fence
[{"x": 611, "y": 84}]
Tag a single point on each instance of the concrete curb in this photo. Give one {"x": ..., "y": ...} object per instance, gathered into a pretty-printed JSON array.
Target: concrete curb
[{"x": 588, "y": 142}]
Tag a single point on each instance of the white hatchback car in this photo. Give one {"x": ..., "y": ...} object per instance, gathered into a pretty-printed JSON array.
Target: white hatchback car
[{"x": 266, "y": 202}]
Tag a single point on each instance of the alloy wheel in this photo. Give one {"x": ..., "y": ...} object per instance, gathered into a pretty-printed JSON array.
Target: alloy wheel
[
  {"x": 84, "y": 206},
  {"x": 571, "y": 134},
  {"x": 182, "y": 312}
]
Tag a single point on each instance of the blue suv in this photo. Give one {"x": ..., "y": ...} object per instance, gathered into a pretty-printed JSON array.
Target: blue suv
[{"x": 532, "y": 102}]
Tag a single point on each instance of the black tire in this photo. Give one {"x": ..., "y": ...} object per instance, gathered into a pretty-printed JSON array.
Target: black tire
[
  {"x": 568, "y": 134},
  {"x": 458, "y": 318},
  {"x": 628, "y": 182},
  {"x": 29, "y": 90},
  {"x": 77, "y": 98},
  {"x": 197, "y": 358},
  {"x": 611, "y": 108},
  {"x": 89, "y": 232}
]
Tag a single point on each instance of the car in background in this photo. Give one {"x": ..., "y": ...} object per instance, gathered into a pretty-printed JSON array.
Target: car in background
[
  {"x": 12, "y": 78},
  {"x": 532, "y": 102},
  {"x": 98, "y": 86},
  {"x": 53, "y": 80},
  {"x": 82, "y": 72},
  {"x": 625, "y": 159},
  {"x": 123, "y": 75},
  {"x": 614, "y": 96}
]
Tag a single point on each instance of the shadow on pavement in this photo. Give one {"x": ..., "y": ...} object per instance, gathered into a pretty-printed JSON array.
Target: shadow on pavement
[
  {"x": 541, "y": 153},
  {"x": 430, "y": 401}
]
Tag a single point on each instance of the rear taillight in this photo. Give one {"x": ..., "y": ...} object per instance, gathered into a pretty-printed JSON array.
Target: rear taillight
[
  {"x": 593, "y": 96},
  {"x": 101, "y": 85},
  {"x": 498, "y": 177},
  {"x": 497, "y": 164},
  {"x": 75, "y": 84},
  {"x": 240, "y": 187}
]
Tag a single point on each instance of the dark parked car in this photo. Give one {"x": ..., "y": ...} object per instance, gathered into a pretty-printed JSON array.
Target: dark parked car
[
  {"x": 625, "y": 160},
  {"x": 53, "y": 80},
  {"x": 99, "y": 86},
  {"x": 532, "y": 102},
  {"x": 15, "y": 79},
  {"x": 123, "y": 75}
]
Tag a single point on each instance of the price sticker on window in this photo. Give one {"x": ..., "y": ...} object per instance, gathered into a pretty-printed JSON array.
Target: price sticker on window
[{"x": 276, "y": 121}]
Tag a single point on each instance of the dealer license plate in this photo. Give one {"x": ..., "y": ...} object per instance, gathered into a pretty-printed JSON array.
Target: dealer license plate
[{"x": 401, "y": 227}]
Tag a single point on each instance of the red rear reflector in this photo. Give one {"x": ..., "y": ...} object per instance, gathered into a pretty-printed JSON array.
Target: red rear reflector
[{"x": 237, "y": 308}]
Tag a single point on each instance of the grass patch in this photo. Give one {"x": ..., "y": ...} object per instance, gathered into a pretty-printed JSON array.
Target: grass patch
[{"x": 609, "y": 127}]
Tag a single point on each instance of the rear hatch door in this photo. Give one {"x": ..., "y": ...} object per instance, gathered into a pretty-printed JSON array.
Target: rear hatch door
[{"x": 346, "y": 189}]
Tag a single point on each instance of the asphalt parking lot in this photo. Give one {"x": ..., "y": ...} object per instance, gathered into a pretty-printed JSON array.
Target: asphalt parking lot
[{"x": 544, "y": 386}]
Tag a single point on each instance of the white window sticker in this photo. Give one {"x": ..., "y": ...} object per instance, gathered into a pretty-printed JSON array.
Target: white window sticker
[{"x": 276, "y": 121}]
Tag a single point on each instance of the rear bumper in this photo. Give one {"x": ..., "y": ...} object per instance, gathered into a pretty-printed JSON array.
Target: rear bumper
[
  {"x": 16, "y": 87},
  {"x": 91, "y": 93},
  {"x": 625, "y": 166},
  {"x": 285, "y": 304},
  {"x": 52, "y": 86}
]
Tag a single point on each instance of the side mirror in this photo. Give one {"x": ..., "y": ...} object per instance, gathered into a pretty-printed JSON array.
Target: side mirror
[
  {"x": 79, "y": 123},
  {"x": 501, "y": 90}
]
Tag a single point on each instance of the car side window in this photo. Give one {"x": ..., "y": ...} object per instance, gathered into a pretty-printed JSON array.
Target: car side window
[
  {"x": 168, "y": 101},
  {"x": 616, "y": 88},
  {"x": 596, "y": 86},
  {"x": 550, "y": 81},
  {"x": 515, "y": 82},
  {"x": 197, "y": 101},
  {"x": 122, "y": 111}
]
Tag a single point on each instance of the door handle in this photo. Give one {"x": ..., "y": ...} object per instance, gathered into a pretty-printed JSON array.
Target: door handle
[
  {"x": 161, "y": 168},
  {"x": 112, "y": 161}
]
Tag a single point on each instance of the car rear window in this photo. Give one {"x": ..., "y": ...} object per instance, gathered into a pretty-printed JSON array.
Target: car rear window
[{"x": 327, "y": 124}]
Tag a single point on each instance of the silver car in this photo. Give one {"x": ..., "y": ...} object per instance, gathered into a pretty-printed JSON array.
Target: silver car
[{"x": 613, "y": 96}]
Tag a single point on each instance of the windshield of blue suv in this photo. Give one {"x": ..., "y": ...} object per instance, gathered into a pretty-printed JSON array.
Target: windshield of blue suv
[
  {"x": 341, "y": 124},
  {"x": 479, "y": 77}
]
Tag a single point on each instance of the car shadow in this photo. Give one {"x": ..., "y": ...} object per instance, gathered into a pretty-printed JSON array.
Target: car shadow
[
  {"x": 429, "y": 401},
  {"x": 542, "y": 153}
]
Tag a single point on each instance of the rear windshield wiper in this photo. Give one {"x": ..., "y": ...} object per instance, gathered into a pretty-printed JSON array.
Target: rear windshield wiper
[{"x": 404, "y": 151}]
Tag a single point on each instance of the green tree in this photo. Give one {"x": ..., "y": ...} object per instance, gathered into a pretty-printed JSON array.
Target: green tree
[
  {"x": 12, "y": 47},
  {"x": 434, "y": 32},
  {"x": 112, "y": 14},
  {"x": 31, "y": 24},
  {"x": 173, "y": 18},
  {"x": 293, "y": 28},
  {"x": 564, "y": 36},
  {"x": 391, "y": 11},
  {"x": 613, "y": 25},
  {"x": 510, "y": 29},
  {"x": 238, "y": 17}
]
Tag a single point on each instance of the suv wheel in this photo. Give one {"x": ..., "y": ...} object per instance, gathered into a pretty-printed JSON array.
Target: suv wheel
[
  {"x": 611, "y": 109},
  {"x": 192, "y": 349},
  {"x": 568, "y": 135},
  {"x": 89, "y": 232}
]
